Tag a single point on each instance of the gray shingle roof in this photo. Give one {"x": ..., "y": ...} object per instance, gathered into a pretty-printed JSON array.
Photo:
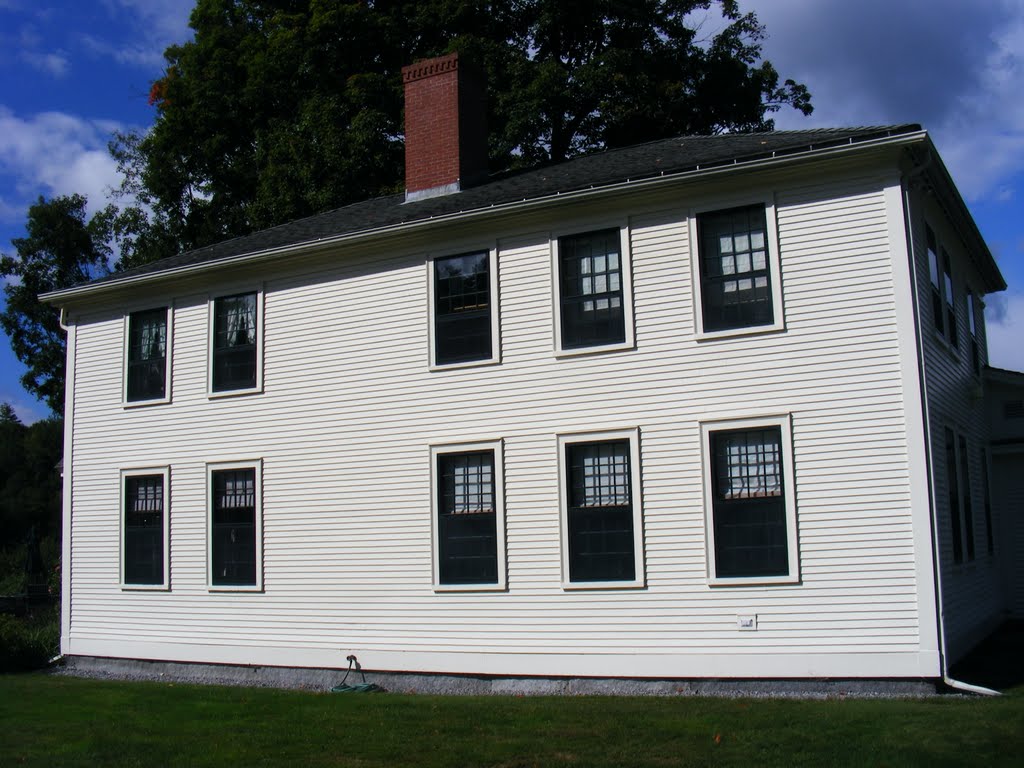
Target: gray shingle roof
[{"x": 642, "y": 161}]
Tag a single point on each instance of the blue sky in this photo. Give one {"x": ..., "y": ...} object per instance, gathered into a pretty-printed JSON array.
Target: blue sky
[{"x": 73, "y": 72}]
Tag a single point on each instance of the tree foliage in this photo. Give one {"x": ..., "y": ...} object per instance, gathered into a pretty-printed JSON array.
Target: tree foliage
[
  {"x": 29, "y": 479},
  {"x": 279, "y": 109},
  {"x": 60, "y": 249}
]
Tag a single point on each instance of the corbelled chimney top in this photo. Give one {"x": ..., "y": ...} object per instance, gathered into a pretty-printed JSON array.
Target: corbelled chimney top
[{"x": 445, "y": 134}]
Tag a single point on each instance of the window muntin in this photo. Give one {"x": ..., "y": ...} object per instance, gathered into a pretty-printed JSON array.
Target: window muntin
[
  {"x": 146, "y": 364},
  {"x": 468, "y": 517},
  {"x": 602, "y": 538},
  {"x": 235, "y": 353},
  {"x": 463, "y": 308},
  {"x": 145, "y": 528},
  {"x": 735, "y": 269},
  {"x": 935, "y": 279},
  {"x": 950, "y": 297},
  {"x": 592, "y": 290},
  {"x": 234, "y": 526}
]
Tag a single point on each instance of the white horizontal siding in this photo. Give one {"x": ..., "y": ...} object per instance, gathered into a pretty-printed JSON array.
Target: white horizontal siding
[{"x": 349, "y": 409}]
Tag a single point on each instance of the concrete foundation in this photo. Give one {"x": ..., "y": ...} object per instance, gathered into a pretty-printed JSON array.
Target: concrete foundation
[{"x": 468, "y": 685}]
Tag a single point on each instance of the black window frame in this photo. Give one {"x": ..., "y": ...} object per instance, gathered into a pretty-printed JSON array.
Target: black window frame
[
  {"x": 468, "y": 520},
  {"x": 463, "y": 326},
  {"x": 146, "y": 373},
  {"x": 594, "y": 301},
  {"x": 235, "y": 528},
  {"x": 602, "y": 535},
  {"x": 145, "y": 528},
  {"x": 228, "y": 358},
  {"x": 757, "y": 309}
]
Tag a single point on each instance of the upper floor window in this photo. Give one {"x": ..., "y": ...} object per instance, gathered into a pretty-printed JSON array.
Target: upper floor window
[
  {"x": 235, "y": 526},
  {"x": 972, "y": 325},
  {"x": 468, "y": 518},
  {"x": 601, "y": 525},
  {"x": 751, "y": 514},
  {"x": 593, "y": 289},
  {"x": 947, "y": 281},
  {"x": 464, "y": 323},
  {"x": 735, "y": 266},
  {"x": 146, "y": 364},
  {"x": 935, "y": 278},
  {"x": 144, "y": 528},
  {"x": 235, "y": 348}
]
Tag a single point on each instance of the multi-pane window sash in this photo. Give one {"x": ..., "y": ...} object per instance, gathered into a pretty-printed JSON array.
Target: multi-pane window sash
[
  {"x": 233, "y": 528},
  {"x": 947, "y": 279},
  {"x": 749, "y": 503},
  {"x": 147, "y": 355},
  {"x": 462, "y": 308},
  {"x": 736, "y": 287},
  {"x": 935, "y": 278},
  {"x": 600, "y": 512},
  {"x": 234, "y": 342},
  {"x": 467, "y": 519},
  {"x": 144, "y": 530},
  {"x": 590, "y": 282}
]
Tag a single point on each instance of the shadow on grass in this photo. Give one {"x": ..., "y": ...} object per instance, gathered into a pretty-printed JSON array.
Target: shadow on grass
[{"x": 998, "y": 662}]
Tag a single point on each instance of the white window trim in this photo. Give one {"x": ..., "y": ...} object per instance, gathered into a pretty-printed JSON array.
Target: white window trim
[
  {"x": 785, "y": 424},
  {"x": 256, "y": 465},
  {"x": 499, "y": 513},
  {"x": 260, "y": 342},
  {"x": 125, "y": 402},
  {"x": 636, "y": 500},
  {"x": 165, "y": 473},
  {"x": 492, "y": 272},
  {"x": 626, "y": 267},
  {"x": 774, "y": 267}
]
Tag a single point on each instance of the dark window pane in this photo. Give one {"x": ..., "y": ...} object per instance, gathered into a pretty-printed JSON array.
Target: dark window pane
[
  {"x": 147, "y": 355},
  {"x": 600, "y": 512},
  {"x": 965, "y": 476},
  {"x": 987, "y": 501},
  {"x": 462, "y": 308},
  {"x": 951, "y": 329},
  {"x": 749, "y": 505},
  {"x": 234, "y": 342},
  {"x": 954, "y": 498},
  {"x": 233, "y": 528},
  {"x": 144, "y": 529},
  {"x": 935, "y": 278},
  {"x": 590, "y": 279},
  {"x": 735, "y": 278},
  {"x": 467, "y": 519}
]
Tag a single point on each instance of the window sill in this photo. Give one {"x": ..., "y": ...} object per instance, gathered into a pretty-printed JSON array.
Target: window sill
[
  {"x": 234, "y": 393},
  {"x": 450, "y": 588},
  {"x": 235, "y": 588},
  {"x": 145, "y": 588},
  {"x": 754, "y": 581},
  {"x": 732, "y": 333},
  {"x": 467, "y": 364},
  {"x": 603, "y": 585},
  {"x": 595, "y": 350},
  {"x": 143, "y": 403}
]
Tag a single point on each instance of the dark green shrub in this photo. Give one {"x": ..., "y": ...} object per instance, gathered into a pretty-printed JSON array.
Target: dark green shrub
[{"x": 29, "y": 642}]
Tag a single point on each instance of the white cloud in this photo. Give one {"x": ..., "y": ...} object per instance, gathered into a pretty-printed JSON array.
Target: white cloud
[
  {"x": 156, "y": 24},
  {"x": 54, "y": 64},
  {"x": 1004, "y": 316},
  {"x": 53, "y": 153}
]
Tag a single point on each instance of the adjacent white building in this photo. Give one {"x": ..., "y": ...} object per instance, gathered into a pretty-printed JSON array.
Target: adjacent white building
[{"x": 706, "y": 407}]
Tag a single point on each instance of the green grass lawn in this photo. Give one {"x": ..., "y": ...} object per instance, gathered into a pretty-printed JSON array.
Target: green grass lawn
[{"x": 65, "y": 721}]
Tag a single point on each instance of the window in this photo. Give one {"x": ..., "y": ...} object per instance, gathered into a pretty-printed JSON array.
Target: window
[
  {"x": 953, "y": 494},
  {"x": 235, "y": 526},
  {"x": 594, "y": 303},
  {"x": 972, "y": 325},
  {"x": 947, "y": 281},
  {"x": 469, "y": 525},
  {"x": 601, "y": 520},
  {"x": 935, "y": 278},
  {"x": 463, "y": 291},
  {"x": 735, "y": 266},
  {"x": 965, "y": 483},
  {"x": 146, "y": 375},
  {"x": 235, "y": 356},
  {"x": 751, "y": 514},
  {"x": 987, "y": 501},
  {"x": 144, "y": 526}
]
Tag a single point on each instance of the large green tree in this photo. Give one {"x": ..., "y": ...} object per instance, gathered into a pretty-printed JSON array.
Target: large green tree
[
  {"x": 279, "y": 109},
  {"x": 61, "y": 248}
]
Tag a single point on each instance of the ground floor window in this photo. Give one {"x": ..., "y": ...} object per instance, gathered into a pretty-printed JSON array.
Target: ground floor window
[
  {"x": 144, "y": 528},
  {"x": 235, "y": 523}
]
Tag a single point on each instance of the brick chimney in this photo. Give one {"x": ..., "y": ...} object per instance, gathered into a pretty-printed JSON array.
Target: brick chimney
[{"x": 445, "y": 132}]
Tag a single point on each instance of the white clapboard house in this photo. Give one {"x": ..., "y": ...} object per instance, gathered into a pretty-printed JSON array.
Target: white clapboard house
[{"x": 703, "y": 407}]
